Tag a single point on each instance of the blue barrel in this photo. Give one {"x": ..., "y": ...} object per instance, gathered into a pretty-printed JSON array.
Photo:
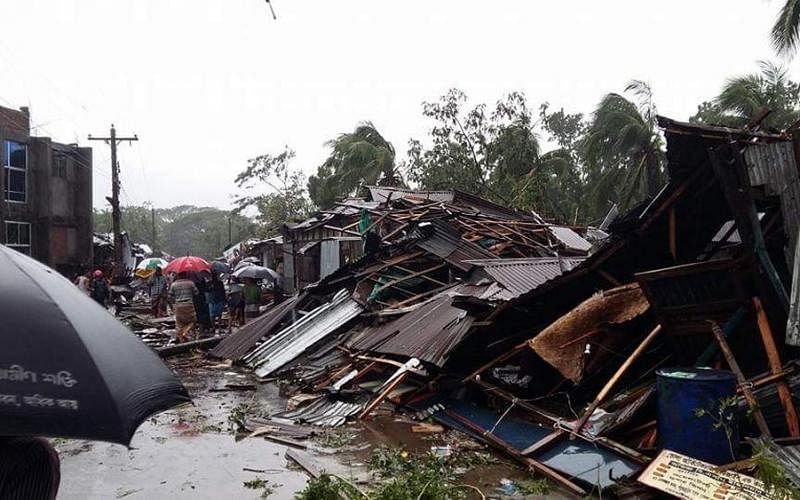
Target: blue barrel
[{"x": 682, "y": 393}]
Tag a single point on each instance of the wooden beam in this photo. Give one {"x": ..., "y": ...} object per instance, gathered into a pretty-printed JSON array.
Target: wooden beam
[
  {"x": 784, "y": 392},
  {"x": 382, "y": 395},
  {"x": 603, "y": 394},
  {"x": 507, "y": 448},
  {"x": 743, "y": 384},
  {"x": 545, "y": 442},
  {"x": 732, "y": 175}
]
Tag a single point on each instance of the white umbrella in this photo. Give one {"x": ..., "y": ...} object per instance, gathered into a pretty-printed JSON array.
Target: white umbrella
[
  {"x": 255, "y": 272},
  {"x": 152, "y": 263}
]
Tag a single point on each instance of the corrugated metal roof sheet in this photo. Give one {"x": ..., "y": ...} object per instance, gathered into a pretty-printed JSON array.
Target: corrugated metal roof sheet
[
  {"x": 773, "y": 165},
  {"x": 381, "y": 194},
  {"x": 290, "y": 342},
  {"x": 239, "y": 343},
  {"x": 519, "y": 276},
  {"x": 447, "y": 244},
  {"x": 570, "y": 238},
  {"x": 428, "y": 333},
  {"x": 324, "y": 412}
]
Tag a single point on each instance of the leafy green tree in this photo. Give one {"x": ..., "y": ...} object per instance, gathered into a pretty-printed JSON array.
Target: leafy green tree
[
  {"x": 745, "y": 98},
  {"x": 486, "y": 153},
  {"x": 181, "y": 230},
  {"x": 284, "y": 201},
  {"x": 563, "y": 187},
  {"x": 785, "y": 32},
  {"x": 362, "y": 157},
  {"x": 622, "y": 149}
]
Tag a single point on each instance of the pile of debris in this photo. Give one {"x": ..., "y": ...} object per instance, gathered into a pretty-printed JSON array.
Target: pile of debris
[{"x": 574, "y": 350}]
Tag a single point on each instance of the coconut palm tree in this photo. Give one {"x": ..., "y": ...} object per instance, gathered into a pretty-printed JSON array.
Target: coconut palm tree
[
  {"x": 358, "y": 158},
  {"x": 745, "y": 98},
  {"x": 622, "y": 148},
  {"x": 786, "y": 31}
]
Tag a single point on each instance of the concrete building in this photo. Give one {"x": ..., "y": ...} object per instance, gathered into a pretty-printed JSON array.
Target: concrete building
[{"x": 46, "y": 204}]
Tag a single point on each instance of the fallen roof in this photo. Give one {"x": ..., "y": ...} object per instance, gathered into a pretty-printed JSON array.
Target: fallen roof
[
  {"x": 239, "y": 343},
  {"x": 290, "y": 342},
  {"x": 447, "y": 244},
  {"x": 428, "y": 333},
  {"x": 519, "y": 276}
]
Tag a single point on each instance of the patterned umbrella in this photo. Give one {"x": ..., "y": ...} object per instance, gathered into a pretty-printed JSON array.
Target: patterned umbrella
[
  {"x": 152, "y": 263},
  {"x": 67, "y": 367}
]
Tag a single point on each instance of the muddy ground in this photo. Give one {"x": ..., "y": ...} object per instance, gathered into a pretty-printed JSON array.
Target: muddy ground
[{"x": 191, "y": 452}]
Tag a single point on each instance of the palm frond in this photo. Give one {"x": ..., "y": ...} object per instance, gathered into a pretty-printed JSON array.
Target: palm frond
[{"x": 786, "y": 30}]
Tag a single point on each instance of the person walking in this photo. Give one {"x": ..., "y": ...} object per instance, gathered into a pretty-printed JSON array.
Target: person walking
[
  {"x": 99, "y": 290},
  {"x": 181, "y": 294},
  {"x": 235, "y": 304},
  {"x": 252, "y": 298},
  {"x": 83, "y": 282},
  {"x": 216, "y": 299},
  {"x": 158, "y": 293}
]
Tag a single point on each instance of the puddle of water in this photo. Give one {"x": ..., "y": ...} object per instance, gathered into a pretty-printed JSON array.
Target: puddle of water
[{"x": 183, "y": 453}]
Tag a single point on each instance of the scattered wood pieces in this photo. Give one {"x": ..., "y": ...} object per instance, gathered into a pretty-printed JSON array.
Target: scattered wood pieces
[
  {"x": 426, "y": 428},
  {"x": 305, "y": 461}
]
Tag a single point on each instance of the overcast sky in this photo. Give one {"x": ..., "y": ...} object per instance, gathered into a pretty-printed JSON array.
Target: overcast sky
[{"x": 207, "y": 84}]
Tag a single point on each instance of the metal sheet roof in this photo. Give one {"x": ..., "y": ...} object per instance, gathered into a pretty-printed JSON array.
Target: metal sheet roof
[
  {"x": 519, "y": 276},
  {"x": 239, "y": 343},
  {"x": 570, "y": 238},
  {"x": 447, "y": 244},
  {"x": 773, "y": 165},
  {"x": 429, "y": 332},
  {"x": 290, "y": 342}
]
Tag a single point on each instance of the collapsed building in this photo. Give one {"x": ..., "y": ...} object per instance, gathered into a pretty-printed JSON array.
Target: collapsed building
[{"x": 545, "y": 340}]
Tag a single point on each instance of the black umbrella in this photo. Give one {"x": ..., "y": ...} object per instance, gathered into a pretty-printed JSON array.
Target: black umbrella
[{"x": 67, "y": 367}]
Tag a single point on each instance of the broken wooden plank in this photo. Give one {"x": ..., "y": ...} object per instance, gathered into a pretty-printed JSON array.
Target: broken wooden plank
[
  {"x": 545, "y": 442},
  {"x": 761, "y": 423},
  {"x": 305, "y": 461},
  {"x": 784, "y": 392},
  {"x": 172, "y": 350},
  {"x": 601, "y": 396}
]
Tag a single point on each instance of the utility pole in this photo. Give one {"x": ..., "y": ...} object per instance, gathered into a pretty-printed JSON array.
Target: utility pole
[
  {"x": 153, "y": 227},
  {"x": 116, "y": 216}
]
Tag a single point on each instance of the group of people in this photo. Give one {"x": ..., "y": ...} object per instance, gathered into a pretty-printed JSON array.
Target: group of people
[
  {"x": 197, "y": 300},
  {"x": 95, "y": 286}
]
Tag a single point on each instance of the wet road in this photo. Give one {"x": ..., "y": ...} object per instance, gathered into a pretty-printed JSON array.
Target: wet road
[{"x": 187, "y": 452}]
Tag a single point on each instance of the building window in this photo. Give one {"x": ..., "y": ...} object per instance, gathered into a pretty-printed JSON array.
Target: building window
[
  {"x": 18, "y": 236},
  {"x": 15, "y": 168},
  {"x": 60, "y": 166}
]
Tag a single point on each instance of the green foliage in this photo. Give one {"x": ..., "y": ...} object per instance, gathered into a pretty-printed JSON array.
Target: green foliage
[
  {"x": 181, "y": 230},
  {"x": 722, "y": 414},
  {"x": 265, "y": 486},
  {"x": 772, "y": 473},
  {"x": 744, "y": 97},
  {"x": 285, "y": 199},
  {"x": 534, "y": 486},
  {"x": 622, "y": 149},
  {"x": 400, "y": 476},
  {"x": 362, "y": 157},
  {"x": 476, "y": 151},
  {"x": 786, "y": 30}
]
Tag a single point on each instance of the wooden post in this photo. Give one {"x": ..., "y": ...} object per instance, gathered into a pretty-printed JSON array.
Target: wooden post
[
  {"x": 385, "y": 392},
  {"x": 732, "y": 175},
  {"x": 603, "y": 394},
  {"x": 743, "y": 384},
  {"x": 784, "y": 393}
]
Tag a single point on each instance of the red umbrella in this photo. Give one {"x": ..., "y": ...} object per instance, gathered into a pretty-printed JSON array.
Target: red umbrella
[{"x": 187, "y": 264}]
